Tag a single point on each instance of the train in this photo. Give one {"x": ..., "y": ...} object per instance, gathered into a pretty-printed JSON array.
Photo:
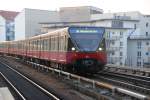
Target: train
[{"x": 76, "y": 48}]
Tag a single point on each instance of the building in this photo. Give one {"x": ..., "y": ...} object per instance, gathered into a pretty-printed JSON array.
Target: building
[
  {"x": 139, "y": 55},
  {"x": 72, "y": 16},
  {"x": 121, "y": 30},
  {"x": 77, "y": 14},
  {"x": 130, "y": 47},
  {"x": 27, "y": 22},
  {"x": 7, "y": 25}
]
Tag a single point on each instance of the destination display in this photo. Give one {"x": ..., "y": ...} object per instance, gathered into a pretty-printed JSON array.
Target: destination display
[{"x": 86, "y": 30}]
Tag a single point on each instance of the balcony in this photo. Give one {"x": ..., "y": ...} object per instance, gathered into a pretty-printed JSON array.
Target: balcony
[
  {"x": 112, "y": 38},
  {"x": 113, "y": 60},
  {"x": 139, "y": 37},
  {"x": 111, "y": 49}
]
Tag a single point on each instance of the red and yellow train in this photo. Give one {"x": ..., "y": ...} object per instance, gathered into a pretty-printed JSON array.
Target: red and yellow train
[{"x": 76, "y": 48}]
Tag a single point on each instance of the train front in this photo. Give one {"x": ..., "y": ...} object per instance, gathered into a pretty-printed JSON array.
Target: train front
[{"x": 87, "y": 49}]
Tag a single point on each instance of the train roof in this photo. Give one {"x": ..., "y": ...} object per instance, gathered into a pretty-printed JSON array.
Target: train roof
[
  {"x": 47, "y": 34},
  {"x": 5, "y": 41},
  {"x": 59, "y": 30},
  {"x": 65, "y": 30}
]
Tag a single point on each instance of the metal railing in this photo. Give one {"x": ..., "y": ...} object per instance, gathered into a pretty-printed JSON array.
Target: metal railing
[
  {"x": 112, "y": 49},
  {"x": 112, "y": 38},
  {"x": 139, "y": 37}
]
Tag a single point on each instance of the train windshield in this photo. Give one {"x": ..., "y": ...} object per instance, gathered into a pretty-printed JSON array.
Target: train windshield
[{"x": 86, "y": 38}]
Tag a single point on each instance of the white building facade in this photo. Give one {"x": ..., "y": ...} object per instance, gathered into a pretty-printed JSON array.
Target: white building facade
[
  {"x": 130, "y": 47},
  {"x": 27, "y": 22}
]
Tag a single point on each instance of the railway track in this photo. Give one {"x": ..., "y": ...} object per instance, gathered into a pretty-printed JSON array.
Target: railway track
[
  {"x": 133, "y": 79},
  {"x": 18, "y": 95},
  {"x": 100, "y": 87},
  {"x": 130, "y": 83},
  {"x": 26, "y": 88}
]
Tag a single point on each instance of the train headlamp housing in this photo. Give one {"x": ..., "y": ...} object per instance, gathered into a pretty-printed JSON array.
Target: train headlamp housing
[
  {"x": 100, "y": 49},
  {"x": 73, "y": 49}
]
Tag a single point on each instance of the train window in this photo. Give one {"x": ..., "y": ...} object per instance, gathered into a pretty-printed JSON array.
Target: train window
[
  {"x": 30, "y": 45},
  {"x": 55, "y": 44},
  {"x": 49, "y": 42},
  {"x": 38, "y": 45},
  {"x": 45, "y": 45},
  {"x": 103, "y": 44},
  {"x": 65, "y": 43},
  {"x": 60, "y": 41},
  {"x": 42, "y": 46},
  {"x": 33, "y": 45}
]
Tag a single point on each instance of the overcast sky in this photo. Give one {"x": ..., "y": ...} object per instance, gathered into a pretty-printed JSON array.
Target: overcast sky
[{"x": 107, "y": 5}]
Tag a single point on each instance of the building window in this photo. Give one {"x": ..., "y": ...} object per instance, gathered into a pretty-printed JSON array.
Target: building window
[
  {"x": 147, "y": 24},
  {"x": 120, "y": 58},
  {"x": 113, "y": 42},
  {"x": 121, "y": 34},
  {"x": 146, "y": 33},
  {"x": 113, "y": 53},
  {"x": 134, "y": 26},
  {"x": 146, "y": 53},
  {"x": 139, "y": 43},
  {"x": 108, "y": 34},
  {"x": 147, "y": 43},
  {"x": 121, "y": 44},
  {"x": 139, "y": 53},
  {"x": 121, "y": 53},
  {"x": 117, "y": 24},
  {"x": 121, "y": 63},
  {"x": 138, "y": 63}
]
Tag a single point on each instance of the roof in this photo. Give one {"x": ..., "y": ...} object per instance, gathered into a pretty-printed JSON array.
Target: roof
[
  {"x": 87, "y": 21},
  {"x": 8, "y": 15}
]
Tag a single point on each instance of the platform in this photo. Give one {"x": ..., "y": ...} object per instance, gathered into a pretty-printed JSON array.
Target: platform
[{"x": 5, "y": 94}]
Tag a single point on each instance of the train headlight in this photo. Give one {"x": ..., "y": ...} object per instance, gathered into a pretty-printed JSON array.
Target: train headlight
[
  {"x": 100, "y": 49},
  {"x": 73, "y": 48}
]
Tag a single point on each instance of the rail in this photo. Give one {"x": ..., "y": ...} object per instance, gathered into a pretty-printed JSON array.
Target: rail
[
  {"x": 93, "y": 83},
  {"x": 14, "y": 88},
  {"x": 35, "y": 84}
]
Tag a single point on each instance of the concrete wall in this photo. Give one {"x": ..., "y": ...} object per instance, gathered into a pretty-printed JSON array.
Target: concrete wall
[
  {"x": 72, "y": 14},
  {"x": 20, "y": 26},
  {"x": 27, "y": 22}
]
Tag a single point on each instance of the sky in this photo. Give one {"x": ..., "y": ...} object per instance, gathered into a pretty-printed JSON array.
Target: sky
[{"x": 107, "y": 5}]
